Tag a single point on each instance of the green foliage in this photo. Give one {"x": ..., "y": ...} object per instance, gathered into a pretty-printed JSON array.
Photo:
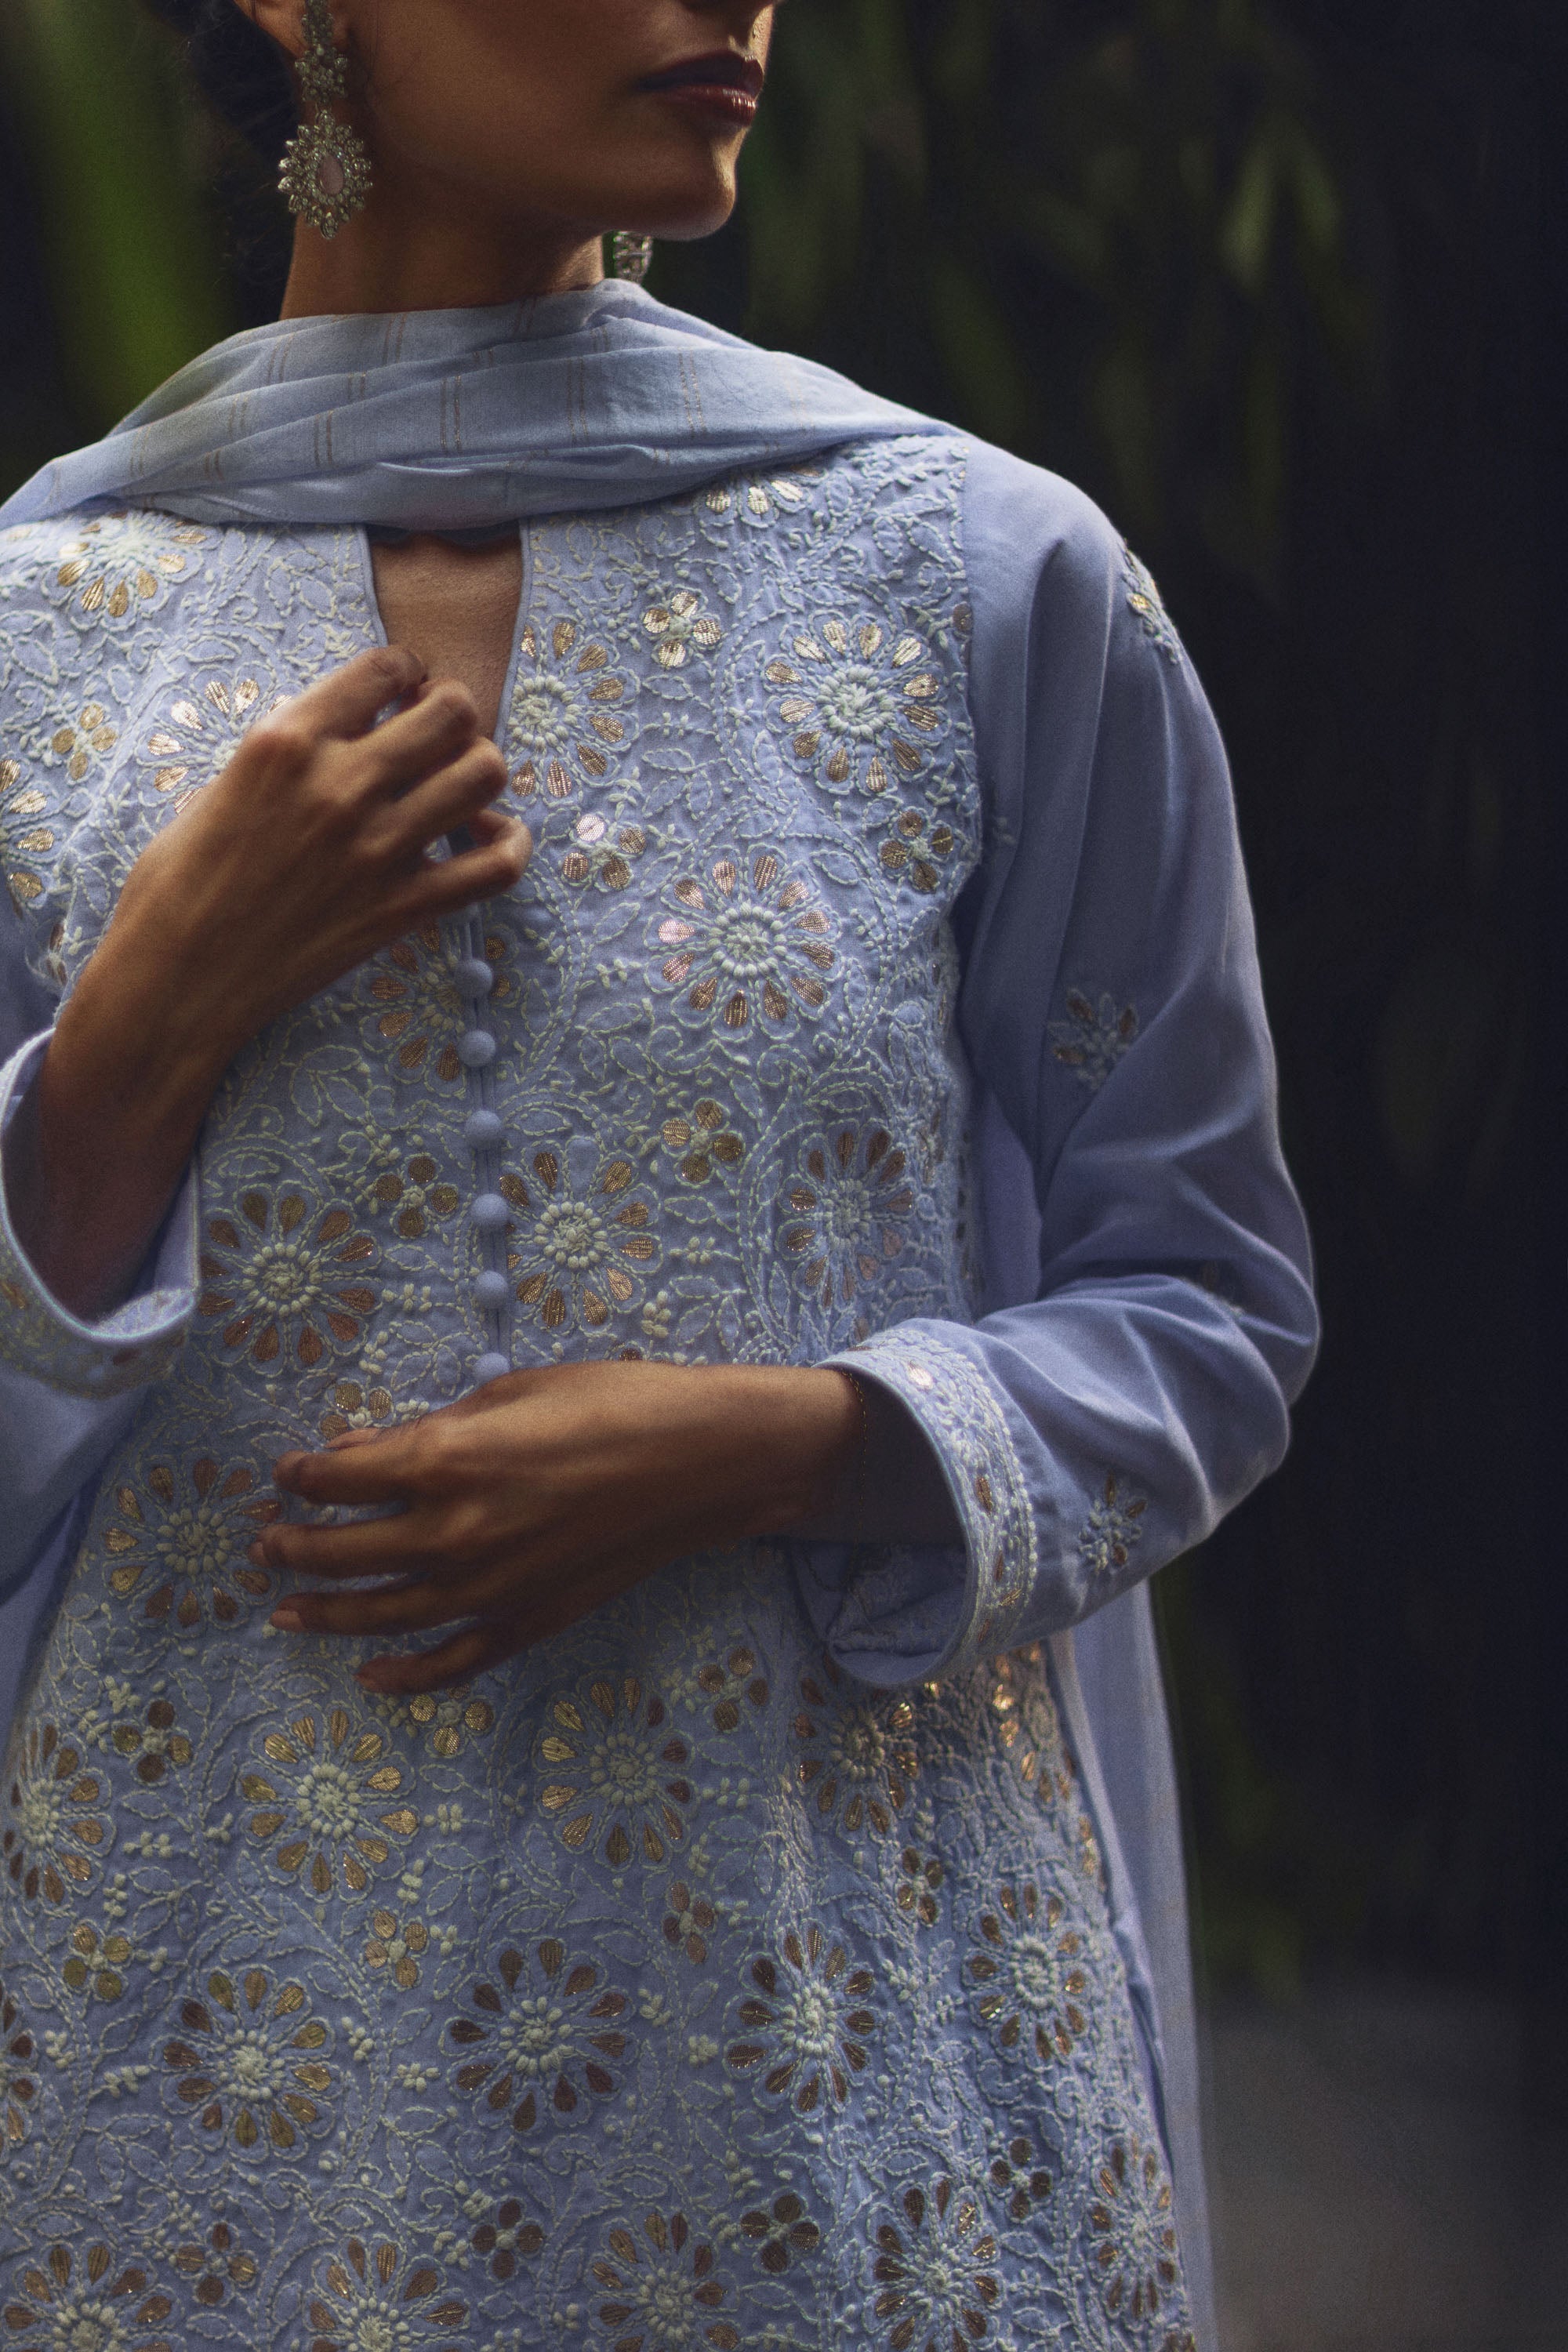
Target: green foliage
[
  {"x": 114, "y": 161},
  {"x": 1108, "y": 236}
]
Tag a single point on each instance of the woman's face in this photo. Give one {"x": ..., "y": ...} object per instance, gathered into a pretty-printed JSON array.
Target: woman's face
[{"x": 574, "y": 115}]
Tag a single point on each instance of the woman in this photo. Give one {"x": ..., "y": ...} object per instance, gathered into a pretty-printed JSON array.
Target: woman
[{"x": 566, "y": 872}]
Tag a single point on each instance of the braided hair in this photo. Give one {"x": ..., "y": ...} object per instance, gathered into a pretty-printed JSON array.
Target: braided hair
[{"x": 239, "y": 72}]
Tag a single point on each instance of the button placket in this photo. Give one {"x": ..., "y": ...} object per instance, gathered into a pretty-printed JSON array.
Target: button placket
[{"x": 484, "y": 1132}]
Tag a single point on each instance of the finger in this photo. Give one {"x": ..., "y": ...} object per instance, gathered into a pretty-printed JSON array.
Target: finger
[
  {"x": 437, "y": 728},
  {"x": 379, "y": 1468},
  {"x": 467, "y": 1653},
  {"x": 411, "y": 1606},
  {"x": 346, "y": 702},
  {"x": 448, "y": 797},
  {"x": 489, "y": 870},
  {"x": 399, "y": 1544}
]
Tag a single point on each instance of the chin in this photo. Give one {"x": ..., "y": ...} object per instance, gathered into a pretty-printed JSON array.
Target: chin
[{"x": 679, "y": 189}]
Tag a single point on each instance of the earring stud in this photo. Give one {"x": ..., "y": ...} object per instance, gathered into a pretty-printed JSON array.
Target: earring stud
[{"x": 325, "y": 172}]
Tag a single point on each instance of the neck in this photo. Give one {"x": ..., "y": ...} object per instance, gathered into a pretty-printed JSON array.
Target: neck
[{"x": 404, "y": 256}]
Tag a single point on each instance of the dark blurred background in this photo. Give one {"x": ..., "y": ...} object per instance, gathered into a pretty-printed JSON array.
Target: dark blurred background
[{"x": 1280, "y": 283}]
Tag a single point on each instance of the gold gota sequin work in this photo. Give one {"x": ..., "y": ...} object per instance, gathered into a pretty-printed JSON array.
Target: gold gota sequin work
[{"x": 672, "y": 1987}]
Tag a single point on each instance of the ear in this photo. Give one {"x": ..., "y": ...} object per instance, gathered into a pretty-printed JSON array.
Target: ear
[{"x": 283, "y": 21}]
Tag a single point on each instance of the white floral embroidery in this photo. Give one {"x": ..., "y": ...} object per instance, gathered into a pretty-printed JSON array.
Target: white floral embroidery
[
  {"x": 1093, "y": 1038},
  {"x": 1111, "y": 1529}
]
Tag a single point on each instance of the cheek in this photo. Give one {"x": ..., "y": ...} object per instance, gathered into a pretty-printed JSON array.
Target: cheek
[{"x": 486, "y": 78}]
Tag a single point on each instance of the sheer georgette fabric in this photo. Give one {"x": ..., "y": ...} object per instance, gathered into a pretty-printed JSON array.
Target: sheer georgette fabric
[{"x": 601, "y": 401}]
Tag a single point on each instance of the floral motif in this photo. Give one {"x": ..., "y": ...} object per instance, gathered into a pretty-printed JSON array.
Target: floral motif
[
  {"x": 155, "y": 1743},
  {"x": 446, "y": 1723},
  {"x": 540, "y": 2052},
  {"x": 811, "y": 2021},
  {"x": 78, "y": 2302},
  {"x": 724, "y": 1687},
  {"x": 664, "y": 2297},
  {"x": 701, "y": 1142},
  {"x": 564, "y": 708},
  {"x": 919, "y": 1883},
  {"x": 78, "y": 743},
  {"x": 53, "y": 1832},
  {"x": 1020, "y": 2178},
  {"x": 186, "y": 1535},
  {"x": 678, "y": 625},
  {"x": 21, "y": 804},
  {"x": 422, "y": 1011},
  {"x": 1111, "y": 1528},
  {"x": 1131, "y": 2233},
  {"x": 216, "y": 2264},
  {"x": 1033, "y": 1974},
  {"x": 761, "y": 498},
  {"x": 397, "y": 1947},
  {"x": 416, "y": 1195},
  {"x": 1145, "y": 601},
  {"x": 859, "y": 1758},
  {"x": 284, "y": 1286},
  {"x": 688, "y": 1922},
  {"x": 601, "y": 854},
  {"x": 18, "y": 2075},
  {"x": 1028, "y": 1726},
  {"x": 500, "y": 2241},
  {"x": 845, "y": 1211},
  {"x": 918, "y": 848},
  {"x": 325, "y": 1806},
  {"x": 620, "y": 1762},
  {"x": 578, "y": 1252},
  {"x": 380, "y": 2303},
  {"x": 117, "y": 560},
  {"x": 854, "y": 700},
  {"x": 354, "y": 1406},
  {"x": 96, "y": 1960},
  {"x": 937, "y": 2272},
  {"x": 747, "y": 940},
  {"x": 1093, "y": 1038},
  {"x": 193, "y": 744},
  {"x": 246, "y": 2062},
  {"x": 781, "y": 2232}
]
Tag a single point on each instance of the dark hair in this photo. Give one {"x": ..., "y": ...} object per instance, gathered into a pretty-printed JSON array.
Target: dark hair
[{"x": 239, "y": 72}]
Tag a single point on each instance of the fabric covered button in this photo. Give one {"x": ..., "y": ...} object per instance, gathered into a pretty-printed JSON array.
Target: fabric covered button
[
  {"x": 491, "y": 1290},
  {"x": 482, "y": 1131},
  {"x": 489, "y": 1213},
  {"x": 476, "y": 1049},
  {"x": 491, "y": 1367},
  {"x": 474, "y": 976}
]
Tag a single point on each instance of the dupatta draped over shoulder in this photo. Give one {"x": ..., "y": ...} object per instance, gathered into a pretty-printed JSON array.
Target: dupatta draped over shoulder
[{"x": 1070, "y": 1246}]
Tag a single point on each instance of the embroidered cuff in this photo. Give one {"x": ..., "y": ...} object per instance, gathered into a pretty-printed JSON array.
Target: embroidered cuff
[
  {"x": 128, "y": 1350},
  {"x": 949, "y": 1395}
]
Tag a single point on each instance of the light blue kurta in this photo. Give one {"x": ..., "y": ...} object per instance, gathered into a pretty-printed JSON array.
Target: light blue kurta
[{"x": 759, "y": 1961}]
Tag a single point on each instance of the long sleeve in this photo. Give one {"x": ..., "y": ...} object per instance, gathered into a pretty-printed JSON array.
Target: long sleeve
[
  {"x": 1112, "y": 1016},
  {"x": 68, "y": 1389}
]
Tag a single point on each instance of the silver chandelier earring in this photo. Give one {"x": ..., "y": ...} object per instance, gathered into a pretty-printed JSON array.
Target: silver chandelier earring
[
  {"x": 325, "y": 172},
  {"x": 630, "y": 255}
]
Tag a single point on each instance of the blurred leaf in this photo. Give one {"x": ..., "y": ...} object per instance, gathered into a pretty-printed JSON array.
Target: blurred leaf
[{"x": 109, "y": 129}]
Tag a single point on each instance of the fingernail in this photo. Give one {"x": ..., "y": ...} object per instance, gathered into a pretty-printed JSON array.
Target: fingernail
[{"x": 286, "y": 1618}]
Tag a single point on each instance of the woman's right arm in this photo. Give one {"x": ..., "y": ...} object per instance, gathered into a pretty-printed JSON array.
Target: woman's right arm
[{"x": 309, "y": 853}]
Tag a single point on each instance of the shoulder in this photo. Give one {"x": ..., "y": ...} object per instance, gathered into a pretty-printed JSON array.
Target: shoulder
[
  {"x": 1038, "y": 546},
  {"x": 1047, "y": 565}
]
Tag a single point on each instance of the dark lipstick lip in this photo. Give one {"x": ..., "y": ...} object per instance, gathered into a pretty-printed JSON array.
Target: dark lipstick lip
[{"x": 720, "y": 69}]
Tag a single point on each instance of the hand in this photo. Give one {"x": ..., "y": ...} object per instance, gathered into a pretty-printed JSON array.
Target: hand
[
  {"x": 308, "y": 853},
  {"x": 548, "y": 1493}
]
